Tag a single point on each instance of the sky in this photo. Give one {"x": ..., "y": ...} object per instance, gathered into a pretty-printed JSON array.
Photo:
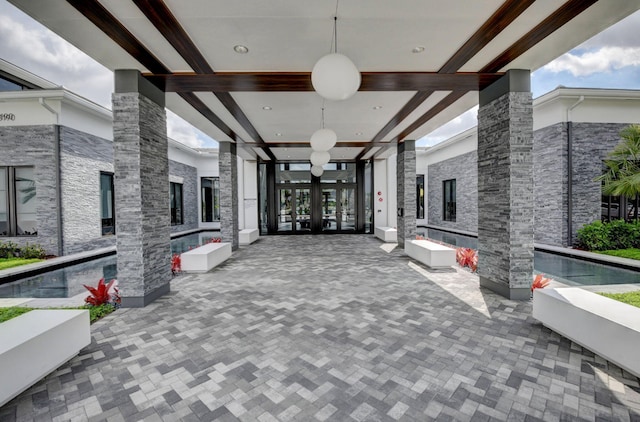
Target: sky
[{"x": 611, "y": 59}]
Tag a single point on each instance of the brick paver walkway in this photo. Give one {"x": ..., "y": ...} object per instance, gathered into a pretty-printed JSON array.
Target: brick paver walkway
[{"x": 315, "y": 328}]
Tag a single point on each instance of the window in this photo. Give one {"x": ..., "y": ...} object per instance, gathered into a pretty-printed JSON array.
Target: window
[
  {"x": 107, "y": 200},
  {"x": 18, "y": 203},
  {"x": 449, "y": 200},
  {"x": 176, "y": 204},
  {"x": 210, "y": 187},
  {"x": 420, "y": 196}
]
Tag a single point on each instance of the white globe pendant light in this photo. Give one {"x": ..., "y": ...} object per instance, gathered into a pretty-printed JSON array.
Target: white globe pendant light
[
  {"x": 319, "y": 158},
  {"x": 335, "y": 77},
  {"x": 317, "y": 170},
  {"x": 323, "y": 140}
]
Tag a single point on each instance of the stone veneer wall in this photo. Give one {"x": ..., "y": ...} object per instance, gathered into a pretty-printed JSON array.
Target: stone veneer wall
[
  {"x": 142, "y": 198},
  {"x": 35, "y": 146},
  {"x": 550, "y": 184},
  {"x": 591, "y": 144},
  {"x": 82, "y": 158},
  {"x": 228, "y": 167},
  {"x": 463, "y": 168},
  {"x": 406, "y": 193},
  {"x": 189, "y": 177},
  {"x": 505, "y": 194}
]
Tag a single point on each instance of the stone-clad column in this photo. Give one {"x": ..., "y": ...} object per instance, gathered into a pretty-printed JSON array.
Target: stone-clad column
[
  {"x": 141, "y": 189},
  {"x": 228, "y": 167},
  {"x": 505, "y": 186},
  {"x": 406, "y": 179}
]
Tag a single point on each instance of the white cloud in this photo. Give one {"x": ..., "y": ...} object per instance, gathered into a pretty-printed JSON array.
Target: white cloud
[
  {"x": 604, "y": 59},
  {"x": 28, "y": 44},
  {"x": 183, "y": 132},
  {"x": 465, "y": 121}
]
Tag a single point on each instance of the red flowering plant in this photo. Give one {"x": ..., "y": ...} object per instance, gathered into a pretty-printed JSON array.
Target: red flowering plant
[
  {"x": 176, "y": 264},
  {"x": 103, "y": 294},
  {"x": 467, "y": 257},
  {"x": 539, "y": 282},
  {"x": 215, "y": 240}
]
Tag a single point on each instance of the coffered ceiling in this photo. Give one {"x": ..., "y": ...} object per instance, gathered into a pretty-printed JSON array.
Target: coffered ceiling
[{"x": 263, "y": 99}]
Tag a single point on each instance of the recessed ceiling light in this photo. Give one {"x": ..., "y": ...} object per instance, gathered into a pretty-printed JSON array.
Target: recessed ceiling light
[
  {"x": 240, "y": 49},
  {"x": 358, "y": 133},
  {"x": 278, "y": 134},
  {"x": 377, "y": 107},
  {"x": 418, "y": 49},
  {"x": 266, "y": 108}
]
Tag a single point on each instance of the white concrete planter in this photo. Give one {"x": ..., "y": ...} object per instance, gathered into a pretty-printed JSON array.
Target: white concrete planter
[
  {"x": 431, "y": 254},
  {"x": 205, "y": 257},
  {"x": 605, "y": 326},
  {"x": 386, "y": 234},
  {"x": 248, "y": 236},
  {"x": 36, "y": 343}
]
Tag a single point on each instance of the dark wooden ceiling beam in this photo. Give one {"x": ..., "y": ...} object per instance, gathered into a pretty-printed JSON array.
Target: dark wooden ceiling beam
[
  {"x": 107, "y": 23},
  {"x": 166, "y": 23},
  {"x": 301, "y": 81},
  {"x": 500, "y": 19},
  {"x": 552, "y": 23}
]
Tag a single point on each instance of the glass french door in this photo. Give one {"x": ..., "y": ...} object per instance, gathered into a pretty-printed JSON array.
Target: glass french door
[
  {"x": 294, "y": 210},
  {"x": 338, "y": 209}
]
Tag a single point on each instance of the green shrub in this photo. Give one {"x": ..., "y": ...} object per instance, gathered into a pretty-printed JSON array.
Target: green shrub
[
  {"x": 594, "y": 237},
  {"x": 621, "y": 234},
  {"x": 32, "y": 251},
  {"x": 616, "y": 234},
  {"x": 8, "y": 250},
  {"x": 8, "y": 313}
]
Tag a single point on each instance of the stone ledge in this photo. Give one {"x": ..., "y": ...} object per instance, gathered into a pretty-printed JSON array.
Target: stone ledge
[{"x": 605, "y": 326}]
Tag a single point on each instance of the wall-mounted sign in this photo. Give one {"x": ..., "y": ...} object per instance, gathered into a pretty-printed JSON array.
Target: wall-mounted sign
[
  {"x": 379, "y": 192},
  {"x": 6, "y": 117},
  {"x": 380, "y": 199}
]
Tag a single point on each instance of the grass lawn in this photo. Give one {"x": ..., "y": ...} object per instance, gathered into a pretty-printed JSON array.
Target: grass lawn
[
  {"x": 631, "y": 298},
  {"x": 15, "y": 262},
  {"x": 95, "y": 312},
  {"x": 632, "y": 253}
]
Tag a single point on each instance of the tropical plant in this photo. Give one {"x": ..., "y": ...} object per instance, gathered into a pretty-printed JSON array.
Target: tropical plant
[
  {"x": 622, "y": 173},
  {"x": 32, "y": 251},
  {"x": 103, "y": 294},
  {"x": 215, "y": 240},
  {"x": 467, "y": 257},
  {"x": 539, "y": 282},
  {"x": 8, "y": 249},
  {"x": 176, "y": 264}
]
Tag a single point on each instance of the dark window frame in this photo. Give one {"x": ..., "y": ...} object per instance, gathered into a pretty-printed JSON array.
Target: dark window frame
[
  {"x": 449, "y": 203},
  {"x": 420, "y": 196},
  {"x": 108, "y": 225},
  {"x": 212, "y": 209},
  {"x": 11, "y": 199},
  {"x": 177, "y": 214}
]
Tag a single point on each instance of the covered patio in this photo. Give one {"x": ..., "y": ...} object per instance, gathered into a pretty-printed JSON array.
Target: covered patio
[{"x": 340, "y": 328}]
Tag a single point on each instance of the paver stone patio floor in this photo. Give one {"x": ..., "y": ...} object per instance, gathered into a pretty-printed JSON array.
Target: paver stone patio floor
[{"x": 336, "y": 328}]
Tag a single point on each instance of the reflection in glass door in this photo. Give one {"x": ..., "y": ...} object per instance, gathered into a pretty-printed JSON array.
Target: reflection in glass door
[
  {"x": 294, "y": 211},
  {"x": 329, "y": 210},
  {"x": 347, "y": 209}
]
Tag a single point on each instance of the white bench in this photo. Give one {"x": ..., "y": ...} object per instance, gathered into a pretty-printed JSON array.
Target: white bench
[
  {"x": 37, "y": 343},
  {"x": 605, "y": 326},
  {"x": 386, "y": 234},
  {"x": 205, "y": 257},
  {"x": 248, "y": 236},
  {"x": 431, "y": 254}
]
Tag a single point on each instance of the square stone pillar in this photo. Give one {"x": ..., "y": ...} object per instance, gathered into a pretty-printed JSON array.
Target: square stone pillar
[
  {"x": 505, "y": 186},
  {"x": 228, "y": 167},
  {"x": 141, "y": 189},
  {"x": 406, "y": 194}
]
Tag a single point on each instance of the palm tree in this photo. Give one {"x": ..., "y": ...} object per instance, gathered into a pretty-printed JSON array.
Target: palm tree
[{"x": 622, "y": 173}]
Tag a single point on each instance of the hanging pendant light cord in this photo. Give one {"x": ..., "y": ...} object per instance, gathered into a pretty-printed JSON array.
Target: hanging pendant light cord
[
  {"x": 334, "y": 38},
  {"x": 322, "y": 123}
]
